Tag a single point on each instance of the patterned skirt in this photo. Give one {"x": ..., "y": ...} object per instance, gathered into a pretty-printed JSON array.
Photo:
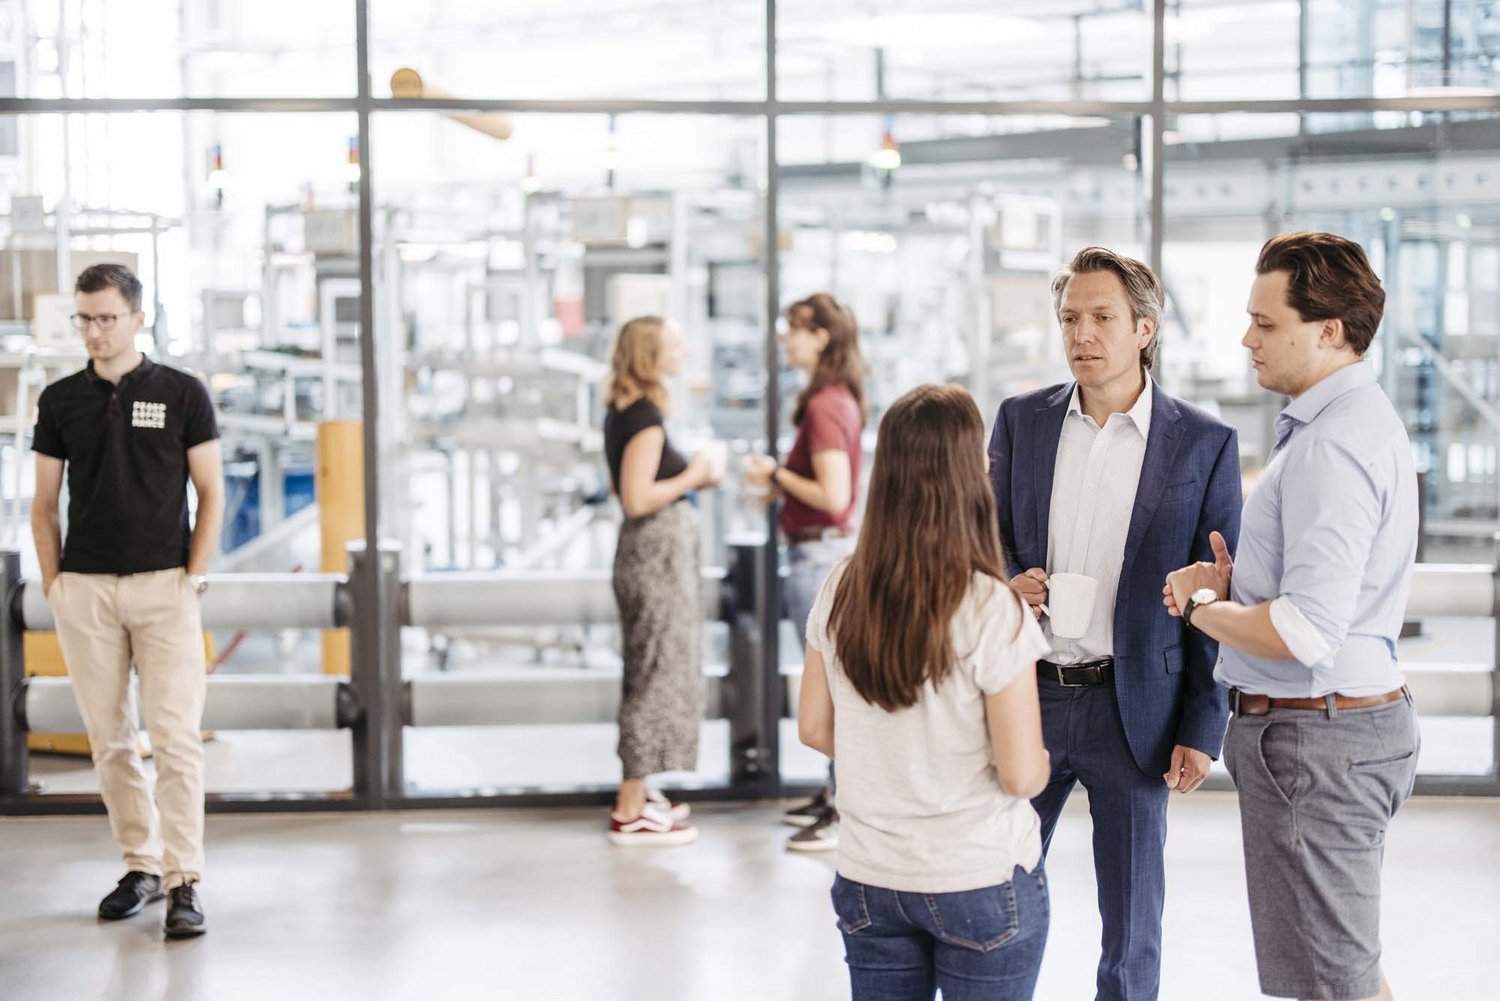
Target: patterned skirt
[{"x": 656, "y": 580}]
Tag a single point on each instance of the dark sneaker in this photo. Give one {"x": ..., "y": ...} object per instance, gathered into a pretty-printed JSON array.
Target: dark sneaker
[
  {"x": 133, "y": 892},
  {"x": 184, "y": 912},
  {"x": 809, "y": 813},
  {"x": 673, "y": 809},
  {"x": 821, "y": 836}
]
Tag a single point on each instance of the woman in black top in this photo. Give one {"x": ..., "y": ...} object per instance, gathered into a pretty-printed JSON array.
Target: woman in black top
[{"x": 656, "y": 581}]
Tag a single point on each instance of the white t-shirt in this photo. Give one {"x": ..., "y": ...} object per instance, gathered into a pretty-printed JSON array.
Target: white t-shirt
[{"x": 921, "y": 808}]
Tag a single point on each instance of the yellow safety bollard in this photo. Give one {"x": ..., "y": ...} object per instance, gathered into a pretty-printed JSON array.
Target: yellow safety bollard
[{"x": 340, "y": 487}]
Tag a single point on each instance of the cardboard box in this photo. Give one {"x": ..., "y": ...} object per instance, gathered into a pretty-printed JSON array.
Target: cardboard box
[{"x": 38, "y": 275}]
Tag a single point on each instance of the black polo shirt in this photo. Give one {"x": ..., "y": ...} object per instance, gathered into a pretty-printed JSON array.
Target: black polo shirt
[{"x": 126, "y": 449}]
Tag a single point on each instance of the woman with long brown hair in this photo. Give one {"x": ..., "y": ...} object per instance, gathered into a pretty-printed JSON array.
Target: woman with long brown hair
[
  {"x": 656, "y": 581},
  {"x": 920, "y": 682},
  {"x": 818, "y": 486}
]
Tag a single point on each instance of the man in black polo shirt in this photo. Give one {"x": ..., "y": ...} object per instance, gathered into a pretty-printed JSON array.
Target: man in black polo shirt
[{"x": 125, "y": 587}]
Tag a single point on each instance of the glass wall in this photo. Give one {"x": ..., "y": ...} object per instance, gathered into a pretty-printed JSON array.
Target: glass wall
[
  {"x": 249, "y": 258},
  {"x": 942, "y": 232},
  {"x": 1294, "y": 49},
  {"x": 682, "y": 49},
  {"x": 498, "y": 297},
  {"x": 1420, "y": 194},
  {"x": 609, "y": 158},
  {"x": 242, "y": 229},
  {"x": 945, "y": 251},
  {"x": 176, "y": 48},
  {"x": 963, "y": 50}
]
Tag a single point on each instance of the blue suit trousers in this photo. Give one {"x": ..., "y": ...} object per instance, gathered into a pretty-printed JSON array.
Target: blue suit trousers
[{"x": 1083, "y": 733}]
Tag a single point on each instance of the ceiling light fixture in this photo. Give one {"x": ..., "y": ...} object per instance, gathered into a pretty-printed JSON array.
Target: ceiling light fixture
[{"x": 529, "y": 184}]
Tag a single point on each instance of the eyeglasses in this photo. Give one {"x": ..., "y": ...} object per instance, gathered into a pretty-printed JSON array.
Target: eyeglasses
[{"x": 105, "y": 321}]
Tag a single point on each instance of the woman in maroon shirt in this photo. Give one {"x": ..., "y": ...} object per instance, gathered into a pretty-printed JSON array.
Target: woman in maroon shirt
[{"x": 818, "y": 485}]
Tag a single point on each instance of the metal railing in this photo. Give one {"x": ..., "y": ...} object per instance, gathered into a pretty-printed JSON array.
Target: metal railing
[{"x": 376, "y": 704}]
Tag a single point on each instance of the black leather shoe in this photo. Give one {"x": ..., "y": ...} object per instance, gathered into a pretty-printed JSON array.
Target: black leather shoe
[
  {"x": 134, "y": 891},
  {"x": 184, "y": 912}
]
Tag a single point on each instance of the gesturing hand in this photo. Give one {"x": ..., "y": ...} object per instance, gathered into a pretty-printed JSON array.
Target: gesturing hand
[{"x": 1216, "y": 575}]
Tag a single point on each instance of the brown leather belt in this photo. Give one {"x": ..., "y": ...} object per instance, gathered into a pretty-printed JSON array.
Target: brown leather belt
[
  {"x": 1248, "y": 704},
  {"x": 800, "y": 535}
]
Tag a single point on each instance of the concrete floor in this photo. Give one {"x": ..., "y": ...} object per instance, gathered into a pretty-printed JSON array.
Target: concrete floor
[{"x": 535, "y": 904}]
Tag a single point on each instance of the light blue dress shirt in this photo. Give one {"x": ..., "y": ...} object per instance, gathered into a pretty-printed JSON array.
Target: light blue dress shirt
[{"x": 1329, "y": 537}]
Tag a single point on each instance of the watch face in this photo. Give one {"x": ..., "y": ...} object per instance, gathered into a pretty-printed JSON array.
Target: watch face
[{"x": 1205, "y": 595}]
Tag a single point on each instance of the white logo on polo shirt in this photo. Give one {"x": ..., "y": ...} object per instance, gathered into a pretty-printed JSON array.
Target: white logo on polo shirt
[{"x": 148, "y": 415}]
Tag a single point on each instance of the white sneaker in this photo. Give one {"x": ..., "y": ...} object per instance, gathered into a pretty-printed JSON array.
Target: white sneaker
[
  {"x": 678, "y": 812},
  {"x": 652, "y": 827}
]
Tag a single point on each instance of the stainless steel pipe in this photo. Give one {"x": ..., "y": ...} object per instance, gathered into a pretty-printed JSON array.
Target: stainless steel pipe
[
  {"x": 239, "y": 601},
  {"x": 562, "y": 696},
  {"x": 527, "y": 598},
  {"x": 528, "y": 697},
  {"x": 534, "y": 597},
  {"x": 234, "y": 702},
  {"x": 1452, "y": 692},
  {"x": 1458, "y": 589}
]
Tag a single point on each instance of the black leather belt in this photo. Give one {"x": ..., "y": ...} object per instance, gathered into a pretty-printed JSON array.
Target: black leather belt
[{"x": 1084, "y": 675}]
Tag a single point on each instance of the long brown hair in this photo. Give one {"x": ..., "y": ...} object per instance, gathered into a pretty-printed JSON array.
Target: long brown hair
[
  {"x": 841, "y": 362},
  {"x": 930, "y": 525},
  {"x": 635, "y": 368}
]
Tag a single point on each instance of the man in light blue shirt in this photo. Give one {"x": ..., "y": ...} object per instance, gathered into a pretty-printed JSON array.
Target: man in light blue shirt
[{"x": 1323, "y": 740}]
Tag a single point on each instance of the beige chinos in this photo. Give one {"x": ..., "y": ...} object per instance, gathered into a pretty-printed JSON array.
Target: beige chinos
[{"x": 105, "y": 624}]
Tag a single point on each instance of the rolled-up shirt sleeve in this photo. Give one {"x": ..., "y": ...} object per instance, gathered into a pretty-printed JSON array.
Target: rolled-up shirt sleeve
[{"x": 1331, "y": 514}]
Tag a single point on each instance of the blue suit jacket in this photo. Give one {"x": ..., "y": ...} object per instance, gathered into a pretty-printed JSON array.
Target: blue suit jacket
[{"x": 1189, "y": 487}]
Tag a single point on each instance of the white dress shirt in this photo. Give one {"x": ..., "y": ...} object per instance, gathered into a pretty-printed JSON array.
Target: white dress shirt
[{"x": 1093, "y": 496}]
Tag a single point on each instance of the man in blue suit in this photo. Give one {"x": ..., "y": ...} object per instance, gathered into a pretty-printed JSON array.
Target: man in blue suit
[{"x": 1111, "y": 478}]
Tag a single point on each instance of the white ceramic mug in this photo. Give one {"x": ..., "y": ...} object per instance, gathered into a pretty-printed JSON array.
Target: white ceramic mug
[
  {"x": 718, "y": 457},
  {"x": 1070, "y": 603}
]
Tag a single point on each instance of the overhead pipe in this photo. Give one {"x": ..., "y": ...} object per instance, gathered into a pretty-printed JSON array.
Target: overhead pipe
[{"x": 408, "y": 83}]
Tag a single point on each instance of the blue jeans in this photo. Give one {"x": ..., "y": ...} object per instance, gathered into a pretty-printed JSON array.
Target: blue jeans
[
  {"x": 977, "y": 945},
  {"x": 807, "y": 566}
]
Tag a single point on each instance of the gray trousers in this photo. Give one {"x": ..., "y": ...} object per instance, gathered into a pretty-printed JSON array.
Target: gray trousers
[{"x": 1317, "y": 793}]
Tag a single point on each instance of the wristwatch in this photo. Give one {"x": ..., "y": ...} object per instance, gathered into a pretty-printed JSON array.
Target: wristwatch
[
  {"x": 1202, "y": 596},
  {"x": 199, "y": 582}
]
